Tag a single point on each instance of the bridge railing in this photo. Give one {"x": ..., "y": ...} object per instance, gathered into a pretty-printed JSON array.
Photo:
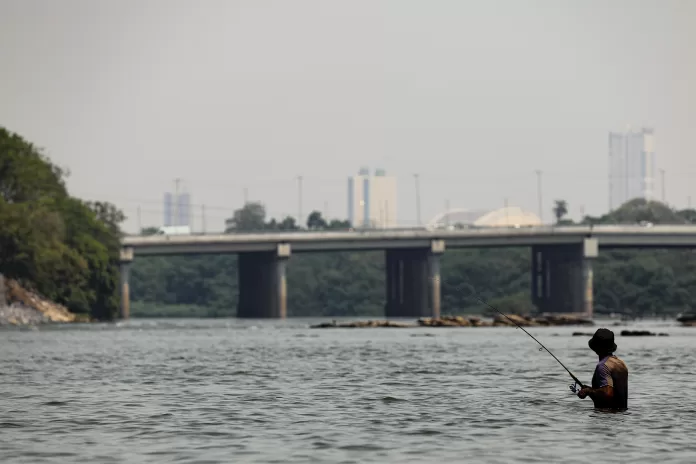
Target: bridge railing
[{"x": 444, "y": 232}]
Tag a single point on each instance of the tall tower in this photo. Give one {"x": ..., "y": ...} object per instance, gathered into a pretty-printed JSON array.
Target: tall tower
[
  {"x": 184, "y": 209},
  {"x": 383, "y": 201},
  {"x": 177, "y": 207},
  {"x": 631, "y": 166},
  {"x": 168, "y": 213},
  {"x": 372, "y": 200},
  {"x": 358, "y": 198}
]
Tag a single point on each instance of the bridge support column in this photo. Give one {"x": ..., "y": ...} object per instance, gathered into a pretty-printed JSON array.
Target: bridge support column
[
  {"x": 413, "y": 281},
  {"x": 562, "y": 277},
  {"x": 125, "y": 260},
  {"x": 263, "y": 284}
]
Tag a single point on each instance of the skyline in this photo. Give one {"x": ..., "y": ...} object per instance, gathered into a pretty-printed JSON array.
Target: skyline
[
  {"x": 471, "y": 96},
  {"x": 216, "y": 213}
]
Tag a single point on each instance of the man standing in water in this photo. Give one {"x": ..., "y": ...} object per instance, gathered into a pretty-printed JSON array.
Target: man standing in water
[{"x": 610, "y": 380}]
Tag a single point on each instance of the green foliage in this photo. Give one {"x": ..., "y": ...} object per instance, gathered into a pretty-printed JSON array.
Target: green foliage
[
  {"x": 560, "y": 209},
  {"x": 63, "y": 248},
  {"x": 634, "y": 282},
  {"x": 639, "y": 211}
]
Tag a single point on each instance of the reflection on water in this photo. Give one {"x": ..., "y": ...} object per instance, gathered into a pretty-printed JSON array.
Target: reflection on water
[{"x": 277, "y": 391}]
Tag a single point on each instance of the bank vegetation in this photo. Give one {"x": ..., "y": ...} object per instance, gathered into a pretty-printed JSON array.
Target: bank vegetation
[
  {"x": 634, "y": 283},
  {"x": 57, "y": 247}
]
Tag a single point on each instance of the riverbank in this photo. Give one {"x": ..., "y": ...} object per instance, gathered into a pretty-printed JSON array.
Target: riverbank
[{"x": 22, "y": 307}]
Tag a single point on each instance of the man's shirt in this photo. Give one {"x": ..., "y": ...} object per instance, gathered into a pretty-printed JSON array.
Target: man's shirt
[{"x": 613, "y": 372}]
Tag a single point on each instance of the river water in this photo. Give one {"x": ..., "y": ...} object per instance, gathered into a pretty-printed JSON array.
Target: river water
[{"x": 209, "y": 391}]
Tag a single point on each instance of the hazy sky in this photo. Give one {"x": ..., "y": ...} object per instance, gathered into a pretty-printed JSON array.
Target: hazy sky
[{"x": 472, "y": 95}]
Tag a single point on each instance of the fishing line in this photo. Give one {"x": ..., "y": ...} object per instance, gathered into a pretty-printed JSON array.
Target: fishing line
[{"x": 573, "y": 388}]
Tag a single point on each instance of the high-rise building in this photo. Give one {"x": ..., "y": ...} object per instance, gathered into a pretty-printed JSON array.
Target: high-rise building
[
  {"x": 177, "y": 209},
  {"x": 168, "y": 213},
  {"x": 372, "y": 200},
  {"x": 184, "y": 210},
  {"x": 631, "y": 166}
]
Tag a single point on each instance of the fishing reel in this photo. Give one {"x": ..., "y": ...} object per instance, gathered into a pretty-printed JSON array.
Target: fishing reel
[{"x": 574, "y": 388}]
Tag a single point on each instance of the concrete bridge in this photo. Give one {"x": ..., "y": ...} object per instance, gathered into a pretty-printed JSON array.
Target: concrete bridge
[{"x": 561, "y": 261}]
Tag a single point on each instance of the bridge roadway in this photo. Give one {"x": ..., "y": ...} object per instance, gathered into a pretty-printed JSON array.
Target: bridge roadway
[
  {"x": 561, "y": 260},
  {"x": 607, "y": 236}
]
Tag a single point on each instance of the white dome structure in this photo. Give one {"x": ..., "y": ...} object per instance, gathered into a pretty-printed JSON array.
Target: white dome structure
[{"x": 512, "y": 216}]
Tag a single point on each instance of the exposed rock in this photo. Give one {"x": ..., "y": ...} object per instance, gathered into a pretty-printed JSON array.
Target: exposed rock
[
  {"x": 513, "y": 319},
  {"x": 20, "y": 315},
  {"x": 565, "y": 319},
  {"x": 460, "y": 321},
  {"x": 361, "y": 324},
  {"x": 19, "y": 306},
  {"x": 445, "y": 321},
  {"x": 641, "y": 333},
  {"x": 627, "y": 333}
]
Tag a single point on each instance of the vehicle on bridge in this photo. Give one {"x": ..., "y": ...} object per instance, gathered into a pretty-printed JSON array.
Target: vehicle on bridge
[{"x": 174, "y": 230}]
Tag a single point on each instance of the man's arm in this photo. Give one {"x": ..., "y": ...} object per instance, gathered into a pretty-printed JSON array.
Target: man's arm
[{"x": 605, "y": 391}]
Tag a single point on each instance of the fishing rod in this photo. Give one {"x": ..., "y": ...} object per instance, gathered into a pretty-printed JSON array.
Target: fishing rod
[{"x": 573, "y": 388}]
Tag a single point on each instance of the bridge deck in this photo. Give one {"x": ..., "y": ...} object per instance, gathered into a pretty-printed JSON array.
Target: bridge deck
[{"x": 607, "y": 236}]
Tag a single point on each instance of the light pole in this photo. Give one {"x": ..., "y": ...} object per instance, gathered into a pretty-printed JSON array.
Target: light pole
[
  {"x": 176, "y": 201},
  {"x": 507, "y": 212},
  {"x": 447, "y": 208},
  {"x": 299, "y": 201},
  {"x": 418, "y": 203},
  {"x": 539, "y": 197},
  {"x": 662, "y": 184}
]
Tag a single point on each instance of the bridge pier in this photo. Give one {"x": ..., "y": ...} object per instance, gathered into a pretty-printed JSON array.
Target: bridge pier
[
  {"x": 125, "y": 261},
  {"x": 263, "y": 284},
  {"x": 562, "y": 277},
  {"x": 413, "y": 281}
]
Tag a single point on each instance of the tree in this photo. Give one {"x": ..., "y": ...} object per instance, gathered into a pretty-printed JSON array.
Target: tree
[
  {"x": 147, "y": 231},
  {"x": 687, "y": 215},
  {"x": 107, "y": 213},
  {"x": 25, "y": 174},
  {"x": 560, "y": 209},
  {"x": 288, "y": 224},
  {"x": 63, "y": 248},
  {"x": 316, "y": 221},
  {"x": 339, "y": 224},
  {"x": 636, "y": 283},
  {"x": 251, "y": 217},
  {"x": 639, "y": 211}
]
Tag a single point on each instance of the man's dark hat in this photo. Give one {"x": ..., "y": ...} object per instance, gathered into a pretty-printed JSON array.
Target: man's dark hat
[{"x": 602, "y": 341}]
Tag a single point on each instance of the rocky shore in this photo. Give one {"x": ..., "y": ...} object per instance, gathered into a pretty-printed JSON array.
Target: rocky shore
[
  {"x": 21, "y": 307},
  {"x": 627, "y": 333},
  {"x": 688, "y": 320},
  {"x": 460, "y": 321}
]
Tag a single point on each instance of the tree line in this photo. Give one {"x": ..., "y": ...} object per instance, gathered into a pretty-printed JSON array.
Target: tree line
[
  {"x": 633, "y": 282},
  {"x": 62, "y": 247},
  {"x": 67, "y": 249}
]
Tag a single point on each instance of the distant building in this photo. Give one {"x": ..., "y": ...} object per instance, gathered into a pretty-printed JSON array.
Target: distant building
[
  {"x": 372, "y": 200},
  {"x": 177, "y": 211},
  {"x": 184, "y": 210},
  {"x": 168, "y": 210},
  {"x": 631, "y": 166}
]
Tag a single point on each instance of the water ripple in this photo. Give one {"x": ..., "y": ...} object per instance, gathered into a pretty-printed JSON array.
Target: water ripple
[{"x": 220, "y": 391}]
